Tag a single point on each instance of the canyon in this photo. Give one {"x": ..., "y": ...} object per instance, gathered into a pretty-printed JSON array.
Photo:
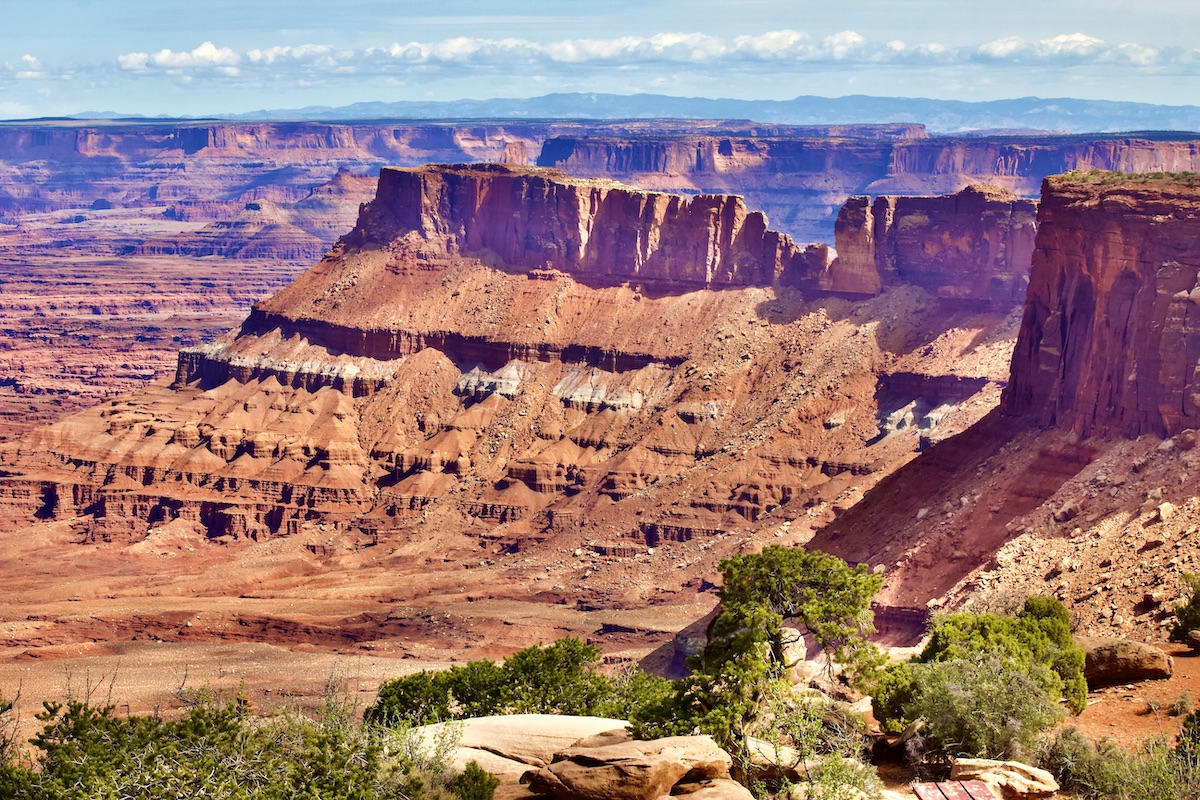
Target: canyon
[
  {"x": 515, "y": 402},
  {"x": 507, "y": 406}
]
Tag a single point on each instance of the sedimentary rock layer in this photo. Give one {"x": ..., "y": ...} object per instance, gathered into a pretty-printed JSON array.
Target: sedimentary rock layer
[
  {"x": 512, "y": 354},
  {"x": 974, "y": 245},
  {"x": 1110, "y": 340}
]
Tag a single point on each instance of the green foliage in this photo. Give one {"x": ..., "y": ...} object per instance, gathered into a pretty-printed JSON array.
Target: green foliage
[
  {"x": 986, "y": 684},
  {"x": 830, "y": 748},
  {"x": 1037, "y": 641},
  {"x": 636, "y": 695},
  {"x": 978, "y": 706},
  {"x": 823, "y": 596},
  {"x": 560, "y": 678},
  {"x": 820, "y": 594},
  {"x": 214, "y": 750},
  {"x": 1108, "y": 178},
  {"x": 1187, "y": 612},
  {"x": 475, "y": 783},
  {"x": 1103, "y": 771}
]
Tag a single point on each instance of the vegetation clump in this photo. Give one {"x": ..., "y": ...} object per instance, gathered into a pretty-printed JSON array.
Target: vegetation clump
[
  {"x": 985, "y": 684},
  {"x": 1187, "y": 611},
  {"x": 217, "y": 750},
  {"x": 1101, "y": 177},
  {"x": 560, "y": 678},
  {"x": 1159, "y": 770}
]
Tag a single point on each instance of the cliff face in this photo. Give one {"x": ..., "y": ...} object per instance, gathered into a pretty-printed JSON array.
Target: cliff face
[
  {"x": 1053, "y": 494},
  {"x": 509, "y": 354},
  {"x": 595, "y": 231},
  {"x": 974, "y": 245},
  {"x": 801, "y": 181},
  {"x": 1110, "y": 340}
]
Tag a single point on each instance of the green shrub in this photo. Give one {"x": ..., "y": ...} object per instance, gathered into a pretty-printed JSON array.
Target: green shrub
[
  {"x": 980, "y": 707},
  {"x": 475, "y": 783},
  {"x": 1187, "y": 612},
  {"x": 1103, "y": 771},
  {"x": 560, "y": 678},
  {"x": 1037, "y": 641},
  {"x": 214, "y": 750}
]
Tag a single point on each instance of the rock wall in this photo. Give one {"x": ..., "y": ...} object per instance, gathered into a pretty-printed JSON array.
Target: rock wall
[
  {"x": 800, "y": 181},
  {"x": 973, "y": 245},
  {"x": 1110, "y": 339},
  {"x": 507, "y": 353},
  {"x": 595, "y": 231}
]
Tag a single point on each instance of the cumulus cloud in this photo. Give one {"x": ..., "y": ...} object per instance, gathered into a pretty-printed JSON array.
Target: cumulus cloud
[
  {"x": 1078, "y": 49},
  {"x": 663, "y": 51},
  {"x": 206, "y": 56}
]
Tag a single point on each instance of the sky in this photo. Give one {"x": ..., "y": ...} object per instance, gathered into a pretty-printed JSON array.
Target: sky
[{"x": 215, "y": 57}]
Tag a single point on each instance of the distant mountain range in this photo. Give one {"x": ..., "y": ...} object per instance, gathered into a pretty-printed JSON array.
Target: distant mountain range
[{"x": 1021, "y": 114}]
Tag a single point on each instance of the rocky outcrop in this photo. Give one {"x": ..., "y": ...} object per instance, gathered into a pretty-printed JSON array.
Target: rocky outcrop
[
  {"x": 1110, "y": 339},
  {"x": 597, "y": 232},
  {"x": 631, "y": 770},
  {"x": 801, "y": 179},
  {"x": 973, "y": 245},
  {"x": 1112, "y": 661},
  {"x": 1011, "y": 780},
  {"x": 507, "y": 355},
  {"x": 508, "y": 745}
]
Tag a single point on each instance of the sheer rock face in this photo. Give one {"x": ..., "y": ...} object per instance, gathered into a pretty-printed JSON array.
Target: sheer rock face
[
  {"x": 974, "y": 245},
  {"x": 1110, "y": 340},
  {"x": 595, "y": 231}
]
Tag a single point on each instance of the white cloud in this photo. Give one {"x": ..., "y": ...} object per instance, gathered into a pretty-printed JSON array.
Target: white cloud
[
  {"x": 207, "y": 55},
  {"x": 704, "y": 54}
]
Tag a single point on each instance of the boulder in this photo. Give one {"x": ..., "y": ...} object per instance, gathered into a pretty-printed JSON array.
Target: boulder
[
  {"x": 1193, "y": 641},
  {"x": 531, "y": 739},
  {"x": 1110, "y": 661},
  {"x": 630, "y": 770},
  {"x": 714, "y": 789},
  {"x": 1011, "y": 780}
]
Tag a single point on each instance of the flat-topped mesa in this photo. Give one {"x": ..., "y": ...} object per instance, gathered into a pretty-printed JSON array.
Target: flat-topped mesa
[
  {"x": 1110, "y": 339},
  {"x": 973, "y": 245},
  {"x": 597, "y": 231}
]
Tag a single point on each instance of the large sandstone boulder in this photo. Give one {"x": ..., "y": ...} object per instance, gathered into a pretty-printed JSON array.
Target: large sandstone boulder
[
  {"x": 515, "y": 741},
  {"x": 1011, "y": 780},
  {"x": 1109, "y": 661},
  {"x": 1193, "y": 641},
  {"x": 630, "y": 770}
]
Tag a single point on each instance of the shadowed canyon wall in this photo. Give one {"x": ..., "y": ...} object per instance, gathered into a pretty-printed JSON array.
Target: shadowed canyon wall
[
  {"x": 974, "y": 245},
  {"x": 1110, "y": 340}
]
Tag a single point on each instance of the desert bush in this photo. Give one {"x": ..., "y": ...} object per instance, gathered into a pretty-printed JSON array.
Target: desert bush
[
  {"x": 1183, "y": 705},
  {"x": 1187, "y": 611},
  {"x": 560, "y": 678},
  {"x": 980, "y": 707},
  {"x": 987, "y": 685},
  {"x": 830, "y": 748},
  {"x": 1037, "y": 641},
  {"x": 215, "y": 750},
  {"x": 1103, "y": 771},
  {"x": 475, "y": 783}
]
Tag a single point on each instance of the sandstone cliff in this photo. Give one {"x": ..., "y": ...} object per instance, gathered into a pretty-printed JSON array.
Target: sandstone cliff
[
  {"x": 515, "y": 354},
  {"x": 1110, "y": 340},
  {"x": 801, "y": 180},
  {"x": 1051, "y": 493},
  {"x": 974, "y": 245}
]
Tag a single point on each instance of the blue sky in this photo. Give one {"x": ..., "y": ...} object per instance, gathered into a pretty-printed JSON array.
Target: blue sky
[{"x": 230, "y": 56}]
